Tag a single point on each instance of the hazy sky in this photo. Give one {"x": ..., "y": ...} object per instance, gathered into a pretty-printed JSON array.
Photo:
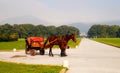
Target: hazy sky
[{"x": 62, "y": 11}]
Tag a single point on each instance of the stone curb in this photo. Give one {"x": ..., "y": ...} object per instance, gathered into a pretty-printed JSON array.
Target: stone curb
[{"x": 64, "y": 70}]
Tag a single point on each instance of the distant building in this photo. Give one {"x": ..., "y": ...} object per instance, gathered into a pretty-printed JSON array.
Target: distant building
[{"x": 83, "y": 34}]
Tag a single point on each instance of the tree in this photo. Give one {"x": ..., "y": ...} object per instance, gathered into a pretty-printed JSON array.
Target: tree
[
  {"x": 41, "y": 30},
  {"x": 51, "y": 30},
  {"x": 67, "y": 30},
  {"x": 13, "y": 32},
  {"x": 118, "y": 33},
  {"x": 112, "y": 30},
  {"x": 6, "y": 33},
  {"x": 103, "y": 31},
  {"x": 93, "y": 31}
]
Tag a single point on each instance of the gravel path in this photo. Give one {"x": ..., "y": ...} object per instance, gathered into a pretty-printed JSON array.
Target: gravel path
[{"x": 89, "y": 57}]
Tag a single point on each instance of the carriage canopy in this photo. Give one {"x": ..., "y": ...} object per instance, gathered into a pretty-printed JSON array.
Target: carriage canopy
[{"x": 36, "y": 41}]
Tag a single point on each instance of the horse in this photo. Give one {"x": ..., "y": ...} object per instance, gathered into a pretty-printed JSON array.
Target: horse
[{"x": 61, "y": 41}]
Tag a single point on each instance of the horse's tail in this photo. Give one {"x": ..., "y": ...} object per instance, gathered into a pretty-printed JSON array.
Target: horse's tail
[{"x": 46, "y": 42}]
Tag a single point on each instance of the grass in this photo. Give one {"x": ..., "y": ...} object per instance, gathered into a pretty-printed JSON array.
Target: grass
[
  {"x": 109, "y": 41},
  {"x": 20, "y": 45},
  {"x": 8, "y": 67},
  {"x": 73, "y": 44}
]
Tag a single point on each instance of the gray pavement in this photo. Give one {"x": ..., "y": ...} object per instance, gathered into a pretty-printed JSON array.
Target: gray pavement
[
  {"x": 94, "y": 57},
  {"x": 88, "y": 57}
]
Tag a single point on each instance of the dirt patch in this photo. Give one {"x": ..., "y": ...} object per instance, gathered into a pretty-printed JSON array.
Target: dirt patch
[{"x": 18, "y": 56}]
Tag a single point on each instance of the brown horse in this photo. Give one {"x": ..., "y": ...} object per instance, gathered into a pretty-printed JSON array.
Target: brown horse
[{"x": 61, "y": 41}]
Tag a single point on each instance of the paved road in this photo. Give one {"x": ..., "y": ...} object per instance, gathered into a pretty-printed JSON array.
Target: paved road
[
  {"x": 94, "y": 57},
  {"x": 89, "y": 57}
]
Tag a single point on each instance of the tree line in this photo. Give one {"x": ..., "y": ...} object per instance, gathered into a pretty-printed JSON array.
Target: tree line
[
  {"x": 13, "y": 32},
  {"x": 104, "y": 31}
]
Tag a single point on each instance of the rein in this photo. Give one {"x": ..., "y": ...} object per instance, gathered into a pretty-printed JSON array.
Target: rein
[{"x": 53, "y": 41}]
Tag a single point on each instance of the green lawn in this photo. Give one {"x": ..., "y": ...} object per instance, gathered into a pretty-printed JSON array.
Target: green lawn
[
  {"x": 73, "y": 44},
  {"x": 20, "y": 45},
  {"x": 109, "y": 41},
  {"x": 8, "y": 67}
]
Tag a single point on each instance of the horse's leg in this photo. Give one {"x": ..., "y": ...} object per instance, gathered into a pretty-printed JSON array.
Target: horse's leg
[
  {"x": 62, "y": 52},
  {"x": 65, "y": 52},
  {"x": 63, "y": 49},
  {"x": 50, "y": 51}
]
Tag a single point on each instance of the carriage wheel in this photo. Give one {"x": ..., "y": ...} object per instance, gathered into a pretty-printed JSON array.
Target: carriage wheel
[
  {"x": 32, "y": 52},
  {"x": 42, "y": 52}
]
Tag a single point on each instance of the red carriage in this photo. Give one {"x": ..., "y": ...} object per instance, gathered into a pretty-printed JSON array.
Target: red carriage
[{"x": 33, "y": 44}]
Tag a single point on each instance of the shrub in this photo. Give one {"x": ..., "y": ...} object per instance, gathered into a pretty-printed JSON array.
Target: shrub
[
  {"x": 8, "y": 37},
  {"x": 13, "y": 37}
]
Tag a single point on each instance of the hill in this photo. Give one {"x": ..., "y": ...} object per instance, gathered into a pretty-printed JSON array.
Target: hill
[
  {"x": 84, "y": 27},
  {"x": 24, "y": 20},
  {"x": 81, "y": 26}
]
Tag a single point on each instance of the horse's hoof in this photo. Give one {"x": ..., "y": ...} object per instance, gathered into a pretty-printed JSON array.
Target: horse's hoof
[
  {"x": 51, "y": 55},
  {"x": 63, "y": 55}
]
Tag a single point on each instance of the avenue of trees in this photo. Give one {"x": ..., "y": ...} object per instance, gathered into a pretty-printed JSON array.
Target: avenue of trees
[
  {"x": 13, "y": 32},
  {"x": 104, "y": 31}
]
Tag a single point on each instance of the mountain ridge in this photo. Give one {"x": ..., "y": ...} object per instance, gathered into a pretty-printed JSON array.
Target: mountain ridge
[
  {"x": 84, "y": 27},
  {"x": 24, "y": 20}
]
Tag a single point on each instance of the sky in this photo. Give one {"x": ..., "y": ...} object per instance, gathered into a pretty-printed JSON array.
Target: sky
[{"x": 62, "y": 11}]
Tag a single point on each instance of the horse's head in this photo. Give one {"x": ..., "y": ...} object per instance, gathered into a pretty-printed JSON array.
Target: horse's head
[{"x": 73, "y": 37}]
